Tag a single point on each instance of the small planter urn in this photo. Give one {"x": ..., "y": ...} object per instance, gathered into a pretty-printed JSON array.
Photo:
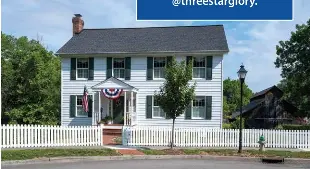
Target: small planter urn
[{"x": 261, "y": 143}]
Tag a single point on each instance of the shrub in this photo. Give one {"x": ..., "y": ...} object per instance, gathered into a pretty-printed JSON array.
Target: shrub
[
  {"x": 118, "y": 140},
  {"x": 296, "y": 127},
  {"x": 236, "y": 123},
  {"x": 279, "y": 127},
  {"x": 226, "y": 126}
]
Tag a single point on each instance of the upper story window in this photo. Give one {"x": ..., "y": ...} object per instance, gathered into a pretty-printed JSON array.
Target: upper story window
[
  {"x": 79, "y": 108},
  {"x": 199, "y": 67},
  {"x": 199, "y": 108},
  {"x": 159, "y": 67},
  {"x": 157, "y": 111},
  {"x": 82, "y": 65},
  {"x": 119, "y": 68}
]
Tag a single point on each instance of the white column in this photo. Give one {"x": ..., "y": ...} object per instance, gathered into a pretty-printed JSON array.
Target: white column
[
  {"x": 99, "y": 112},
  {"x": 125, "y": 113},
  {"x": 131, "y": 106},
  {"x": 131, "y": 101},
  {"x": 93, "y": 119}
]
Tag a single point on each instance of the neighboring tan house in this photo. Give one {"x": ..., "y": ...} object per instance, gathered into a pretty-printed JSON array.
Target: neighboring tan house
[
  {"x": 123, "y": 67},
  {"x": 267, "y": 109}
]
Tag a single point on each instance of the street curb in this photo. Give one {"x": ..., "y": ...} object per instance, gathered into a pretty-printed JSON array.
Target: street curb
[{"x": 146, "y": 157}]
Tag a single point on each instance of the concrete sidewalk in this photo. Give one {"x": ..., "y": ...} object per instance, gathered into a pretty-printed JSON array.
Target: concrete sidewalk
[{"x": 145, "y": 157}]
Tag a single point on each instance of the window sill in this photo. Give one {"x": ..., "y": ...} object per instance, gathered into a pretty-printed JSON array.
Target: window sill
[
  {"x": 158, "y": 117},
  {"x": 199, "y": 79},
  {"x": 198, "y": 118},
  {"x": 80, "y": 79},
  {"x": 119, "y": 78},
  {"x": 159, "y": 79}
]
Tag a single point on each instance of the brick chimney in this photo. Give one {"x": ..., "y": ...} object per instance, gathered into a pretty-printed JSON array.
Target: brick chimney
[{"x": 78, "y": 24}]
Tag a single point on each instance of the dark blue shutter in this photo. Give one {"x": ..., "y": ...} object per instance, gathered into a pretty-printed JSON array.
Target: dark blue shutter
[
  {"x": 91, "y": 69},
  {"x": 189, "y": 60},
  {"x": 149, "y": 108},
  {"x": 208, "y": 107},
  {"x": 73, "y": 69},
  {"x": 109, "y": 67},
  {"x": 209, "y": 67},
  {"x": 90, "y": 105},
  {"x": 188, "y": 111},
  {"x": 150, "y": 65},
  {"x": 127, "y": 68},
  {"x": 72, "y": 105}
]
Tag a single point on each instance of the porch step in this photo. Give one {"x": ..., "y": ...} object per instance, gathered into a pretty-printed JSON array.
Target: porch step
[
  {"x": 114, "y": 124},
  {"x": 116, "y": 132}
]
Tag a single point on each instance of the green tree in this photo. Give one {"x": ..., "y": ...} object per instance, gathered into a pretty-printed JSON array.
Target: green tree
[
  {"x": 30, "y": 82},
  {"x": 231, "y": 93},
  {"x": 293, "y": 59},
  {"x": 176, "y": 93}
]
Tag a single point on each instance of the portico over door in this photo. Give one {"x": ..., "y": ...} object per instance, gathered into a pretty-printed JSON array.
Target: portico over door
[{"x": 109, "y": 91}]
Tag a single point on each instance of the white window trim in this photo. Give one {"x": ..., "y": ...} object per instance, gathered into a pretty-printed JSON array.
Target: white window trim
[
  {"x": 155, "y": 117},
  {"x": 154, "y": 78},
  {"x": 199, "y": 78},
  {"x": 118, "y": 68},
  {"x": 76, "y": 106},
  {"x": 76, "y": 72},
  {"x": 192, "y": 107}
]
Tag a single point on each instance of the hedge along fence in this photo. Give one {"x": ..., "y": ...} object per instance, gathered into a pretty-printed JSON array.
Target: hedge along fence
[{"x": 296, "y": 127}]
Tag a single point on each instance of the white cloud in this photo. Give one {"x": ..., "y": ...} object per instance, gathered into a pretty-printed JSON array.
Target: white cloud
[
  {"x": 257, "y": 49},
  {"x": 52, "y": 19}
]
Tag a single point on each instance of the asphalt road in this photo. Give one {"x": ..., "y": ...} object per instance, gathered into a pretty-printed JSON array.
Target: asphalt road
[{"x": 156, "y": 164}]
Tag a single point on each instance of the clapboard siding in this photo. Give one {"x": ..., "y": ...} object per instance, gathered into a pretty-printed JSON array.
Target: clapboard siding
[{"x": 146, "y": 87}]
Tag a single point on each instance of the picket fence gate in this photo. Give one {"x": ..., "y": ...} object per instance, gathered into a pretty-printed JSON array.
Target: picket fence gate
[
  {"x": 209, "y": 137},
  {"x": 19, "y": 136}
]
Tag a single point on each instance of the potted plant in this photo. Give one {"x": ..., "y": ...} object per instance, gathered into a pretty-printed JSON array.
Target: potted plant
[{"x": 108, "y": 120}]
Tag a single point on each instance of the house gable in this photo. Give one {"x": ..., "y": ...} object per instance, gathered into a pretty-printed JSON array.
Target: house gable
[
  {"x": 113, "y": 82},
  {"x": 278, "y": 93}
]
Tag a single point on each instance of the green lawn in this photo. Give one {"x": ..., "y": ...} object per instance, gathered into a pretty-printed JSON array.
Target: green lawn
[
  {"x": 38, "y": 153},
  {"x": 228, "y": 152}
]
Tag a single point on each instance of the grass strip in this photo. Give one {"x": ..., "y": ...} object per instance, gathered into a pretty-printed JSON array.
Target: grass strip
[
  {"x": 228, "y": 152},
  {"x": 39, "y": 153}
]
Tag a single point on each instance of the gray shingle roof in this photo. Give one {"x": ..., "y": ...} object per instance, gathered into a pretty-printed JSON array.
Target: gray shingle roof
[
  {"x": 152, "y": 39},
  {"x": 247, "y": 107}
]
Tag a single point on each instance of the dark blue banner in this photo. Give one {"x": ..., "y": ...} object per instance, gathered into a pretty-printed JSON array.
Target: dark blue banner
[{"x": 215, "y": 10}]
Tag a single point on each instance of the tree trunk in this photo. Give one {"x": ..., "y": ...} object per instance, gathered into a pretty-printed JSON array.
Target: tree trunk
[{"x": 172, "y": 134}]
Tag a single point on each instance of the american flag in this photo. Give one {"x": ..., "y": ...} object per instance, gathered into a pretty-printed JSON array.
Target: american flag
[{"x": 85, "y": 100}]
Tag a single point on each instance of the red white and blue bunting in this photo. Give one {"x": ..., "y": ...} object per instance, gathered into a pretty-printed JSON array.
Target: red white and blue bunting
[{"x": 112, "y": 93}]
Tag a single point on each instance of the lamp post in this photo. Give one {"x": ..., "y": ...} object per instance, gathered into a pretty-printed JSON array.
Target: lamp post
[{"x": 241, "y": 73}]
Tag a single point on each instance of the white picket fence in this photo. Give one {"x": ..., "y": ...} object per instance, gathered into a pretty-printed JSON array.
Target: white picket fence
[
  {"x": 208, "y": 137},
  {"x": 19, "y": 136}
]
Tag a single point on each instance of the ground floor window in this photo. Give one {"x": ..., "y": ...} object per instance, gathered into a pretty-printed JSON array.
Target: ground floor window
[
  {"x": 157, "y": 111},
  {"x": 79, "y": 108},
  {"x": 199, "y": 109}
]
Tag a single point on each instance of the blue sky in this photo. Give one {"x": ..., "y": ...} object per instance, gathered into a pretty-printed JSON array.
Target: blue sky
[{"x": 251, "y": 43}]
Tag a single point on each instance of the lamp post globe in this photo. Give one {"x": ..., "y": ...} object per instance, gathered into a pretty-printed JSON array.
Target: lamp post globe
[{"x": 241, "y": 74}]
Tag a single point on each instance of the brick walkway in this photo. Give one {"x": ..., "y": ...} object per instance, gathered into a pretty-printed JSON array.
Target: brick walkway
[
  {"x": 109, "y": 139},
  {"x": 129, "y": 152}
]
